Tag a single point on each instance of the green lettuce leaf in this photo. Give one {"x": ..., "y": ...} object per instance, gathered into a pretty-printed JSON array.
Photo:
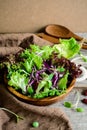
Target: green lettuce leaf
[
  {"x": 45, "y": 84},
  {"x": 67, "y": 47},
  {"x": 18, "y": 81},
  {"x": 62, "y": 84},
  {"x": 28, "y": 65},
  {"x": 25, "y": 54},
  {"x": 47, "y": 51},
  {"x": 38, "y": 61},
  {"x": 34, "y": 48}
]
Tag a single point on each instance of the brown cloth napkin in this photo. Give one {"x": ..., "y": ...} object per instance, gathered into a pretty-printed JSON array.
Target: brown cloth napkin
[
  {"x": 12, "y": 43},
  {"x": 49, "y": 118}
]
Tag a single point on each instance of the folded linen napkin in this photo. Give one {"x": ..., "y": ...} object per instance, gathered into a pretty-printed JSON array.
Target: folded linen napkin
[{"x": 48, "y": 118}]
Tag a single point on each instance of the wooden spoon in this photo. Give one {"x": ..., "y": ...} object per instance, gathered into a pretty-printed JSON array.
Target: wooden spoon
[
  {"x": 48, "y": 38},
  {"x": 60, "y": 31}
]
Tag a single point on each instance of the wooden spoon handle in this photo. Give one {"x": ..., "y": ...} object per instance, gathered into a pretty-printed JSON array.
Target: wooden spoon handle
[
  {"x": 78, "y": 38},
  {"x": 48, "y": 38},
  {"x": 83, "y": 42}
]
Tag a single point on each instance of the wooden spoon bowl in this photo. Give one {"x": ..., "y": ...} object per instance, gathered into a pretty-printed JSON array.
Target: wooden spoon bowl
[{"x": 60, "y": 31}]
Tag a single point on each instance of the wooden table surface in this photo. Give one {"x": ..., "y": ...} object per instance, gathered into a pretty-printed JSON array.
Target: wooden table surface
[{"x": 77, "y": 119}]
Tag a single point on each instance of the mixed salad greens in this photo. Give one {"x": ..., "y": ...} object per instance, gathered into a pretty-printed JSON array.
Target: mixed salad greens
[{"x": 40, "y": 72}]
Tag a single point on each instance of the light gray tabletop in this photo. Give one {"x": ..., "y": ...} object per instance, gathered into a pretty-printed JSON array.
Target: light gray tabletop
[{"x": 77, "y": 119}]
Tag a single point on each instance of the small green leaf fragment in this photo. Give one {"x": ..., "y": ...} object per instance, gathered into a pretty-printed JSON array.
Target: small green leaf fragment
[
  {"x": 60, "y": 69},
  {"x": 30, "y": 90},
  {"x": 79, "y": 109},
  {"x": 84, "y": 58},
  {"x": 47, "y": 51},
  {"x": 68, "y": 104},
  {"x": 38, "y": 61},
  {"x": 35, "y": 124},
  {"x": 63, "y": 81},
  {"x": 35, "y": 48}
]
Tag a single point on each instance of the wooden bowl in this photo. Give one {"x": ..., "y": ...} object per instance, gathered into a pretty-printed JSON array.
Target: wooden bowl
[{"x": 44, "y": 101}]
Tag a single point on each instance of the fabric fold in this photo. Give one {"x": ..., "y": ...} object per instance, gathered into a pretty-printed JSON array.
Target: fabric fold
[{"x": 49, "y": 118}]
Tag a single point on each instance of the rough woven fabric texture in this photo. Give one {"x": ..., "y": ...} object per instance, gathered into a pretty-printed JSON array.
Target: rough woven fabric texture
[
  {"x": 48, "y": 118},
  {"x": 12, "y": 43}
]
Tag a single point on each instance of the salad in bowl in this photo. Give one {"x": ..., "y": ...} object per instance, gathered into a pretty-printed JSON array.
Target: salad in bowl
[{"x": 42, "y": 75}]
